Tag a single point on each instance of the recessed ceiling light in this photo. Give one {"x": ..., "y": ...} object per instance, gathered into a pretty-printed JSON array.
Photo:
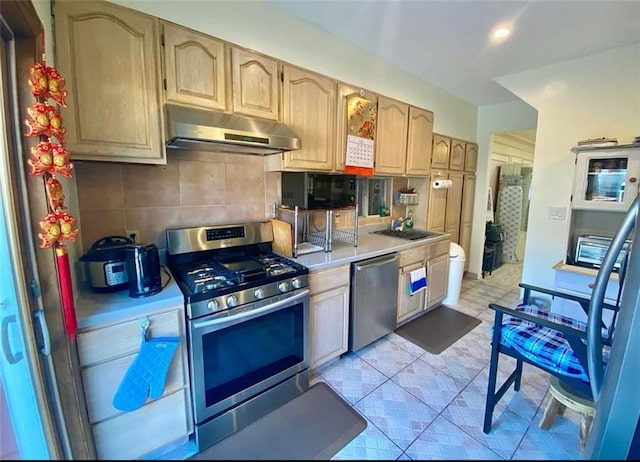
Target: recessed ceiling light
[{"x": 501, "y": 32}]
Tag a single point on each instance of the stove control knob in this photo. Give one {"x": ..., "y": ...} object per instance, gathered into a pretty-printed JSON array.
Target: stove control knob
[
  {"x": 284, "y": 286},
  {"x": 232, "y": 301},
  {"x": 213, "y": 305},
  {"x": 296, "y": 283},
  {"x": 258, "y": 293}
]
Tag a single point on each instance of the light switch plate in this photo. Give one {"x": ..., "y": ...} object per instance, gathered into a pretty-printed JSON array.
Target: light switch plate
[{"x": 557, "y": 213}]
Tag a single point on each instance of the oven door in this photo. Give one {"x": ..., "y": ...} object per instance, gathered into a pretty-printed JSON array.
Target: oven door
[{"x": 238, "y": 354}]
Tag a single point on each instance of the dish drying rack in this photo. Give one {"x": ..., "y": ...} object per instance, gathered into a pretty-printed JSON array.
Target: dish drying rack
[
  {"x": 408, "y": 199},
  {"x": 314, "y": 231}
]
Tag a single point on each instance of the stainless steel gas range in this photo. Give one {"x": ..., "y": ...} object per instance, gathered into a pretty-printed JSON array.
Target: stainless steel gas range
[{"x": 247, "y": 314}]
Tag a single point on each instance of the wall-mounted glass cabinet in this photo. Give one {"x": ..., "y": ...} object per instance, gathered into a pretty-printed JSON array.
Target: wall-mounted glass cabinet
[{"x": 606, "y": 178}]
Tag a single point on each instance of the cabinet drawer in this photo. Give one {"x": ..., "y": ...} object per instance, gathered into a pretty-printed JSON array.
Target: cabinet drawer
[
  {"x": 417, "y": 254},
  {"x": 437, "y": 249},
  {"x": 102, "y": 381},
  {"x": 136, "y": 433},
  {"x": 319, "y": 281},
  {"x": 117, "y": 340}
]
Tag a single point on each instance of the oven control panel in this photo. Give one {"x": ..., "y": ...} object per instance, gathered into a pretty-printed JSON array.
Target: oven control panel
[
  {"x": 246, "y": 296},
  {"x": 216, "y": 234}
]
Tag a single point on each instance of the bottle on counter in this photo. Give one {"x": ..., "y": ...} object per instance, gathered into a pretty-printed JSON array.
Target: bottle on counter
[{"x": 408, "y": 222}]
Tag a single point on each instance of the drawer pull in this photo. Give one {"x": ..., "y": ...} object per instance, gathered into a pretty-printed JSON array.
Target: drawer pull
[{"x": 590, "y": 285}]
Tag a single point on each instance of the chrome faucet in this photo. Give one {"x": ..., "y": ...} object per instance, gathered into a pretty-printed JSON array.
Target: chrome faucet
[{"x": 397, "y": 225}]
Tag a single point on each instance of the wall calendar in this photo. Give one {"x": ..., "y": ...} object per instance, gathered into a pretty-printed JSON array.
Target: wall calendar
[{"x": 361, "y": 120}]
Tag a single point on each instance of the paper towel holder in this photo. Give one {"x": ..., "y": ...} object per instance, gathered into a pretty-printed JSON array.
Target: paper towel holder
[{"x": 441, "y": 184}]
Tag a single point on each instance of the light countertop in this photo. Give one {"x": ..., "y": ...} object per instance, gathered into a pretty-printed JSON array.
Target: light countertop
[
  {"x": 369, "y": 246},
  {"x": 95, "y": 309}
]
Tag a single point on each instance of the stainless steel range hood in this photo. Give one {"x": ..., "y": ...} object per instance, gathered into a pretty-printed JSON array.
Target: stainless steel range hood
[{"x": 203, "y": 130}]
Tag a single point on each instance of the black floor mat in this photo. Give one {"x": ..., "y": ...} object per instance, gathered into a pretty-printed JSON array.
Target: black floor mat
[
  {"x": 438, "y": 329},
  {"x": 315, "y": 425}
]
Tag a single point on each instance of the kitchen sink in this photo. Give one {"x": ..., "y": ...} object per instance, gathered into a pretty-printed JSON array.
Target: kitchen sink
[{"x": 410, "y": 235}]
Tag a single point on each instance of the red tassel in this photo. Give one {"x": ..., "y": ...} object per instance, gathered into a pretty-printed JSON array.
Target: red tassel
[{"x": 66, "y": 291}]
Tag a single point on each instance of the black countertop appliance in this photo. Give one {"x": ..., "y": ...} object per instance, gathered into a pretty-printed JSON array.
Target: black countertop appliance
[{"x": 143, "y": 269}]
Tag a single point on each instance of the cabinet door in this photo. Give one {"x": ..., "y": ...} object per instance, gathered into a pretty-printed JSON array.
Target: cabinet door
[
  {"x": 441, "y": 151},
  {"x": 101, "y": 382},
  {"x": 105, "y": 354},
  {"x": 408, "y": 305},
  {"x": 437, "y": 275},
  {"x": 436, "y": 211},
  {"x": 391, "y": 137},
  {"x": 195, "y": 68},
  {"x": 454, "y": 205},
  {"x": 606, "y": 179},
  {"x": 419, "y": 141},
  {"x": 134, "y": 434},
  {"x": 466, "y": 215},
  {"x": 456, "y": 158},
  {"x": 110, "y": 59},
  {"x": 329, "y": 325},
  {"x": 309, "y": 109},
  {"x": 256, "y": 84},
  {"x": 344, "y": 91},
  {"x": 470, "y": 157}
]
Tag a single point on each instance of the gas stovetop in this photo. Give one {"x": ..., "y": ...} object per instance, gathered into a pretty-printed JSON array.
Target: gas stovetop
[
  {"x": 216, "y": 275},
  {"x": 213, "y": 277}
]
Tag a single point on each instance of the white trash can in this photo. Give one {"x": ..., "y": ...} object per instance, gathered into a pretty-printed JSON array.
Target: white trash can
[{"x": 456, "y": 270}]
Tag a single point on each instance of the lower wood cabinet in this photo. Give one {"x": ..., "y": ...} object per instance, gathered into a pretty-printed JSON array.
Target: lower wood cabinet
[
  {"x": 329, "y": 314},
  {"x": 437, "y": 275},
  {"x": 106, "y": 353},
  {"x": 409, "y": 305},
  {"x": 435, "y": 258}
]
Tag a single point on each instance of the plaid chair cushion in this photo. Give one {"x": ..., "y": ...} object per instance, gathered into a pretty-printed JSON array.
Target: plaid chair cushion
[{"x": 542, "y": 345}]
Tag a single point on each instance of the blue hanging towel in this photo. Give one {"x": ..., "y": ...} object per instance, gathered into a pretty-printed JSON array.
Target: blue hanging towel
[
  {"x": 417, "y": 280},
  {"x": 147, "y": 374}
]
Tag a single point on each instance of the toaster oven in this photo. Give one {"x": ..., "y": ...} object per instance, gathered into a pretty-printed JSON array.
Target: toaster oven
[{"x": 590, "y": 251}]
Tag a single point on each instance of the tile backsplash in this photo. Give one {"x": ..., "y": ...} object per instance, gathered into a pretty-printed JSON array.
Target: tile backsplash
[{"x": 192, "y": 189}]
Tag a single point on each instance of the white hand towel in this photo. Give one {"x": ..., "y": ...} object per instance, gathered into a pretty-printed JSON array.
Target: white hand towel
[{"x": 417, "y": 280}]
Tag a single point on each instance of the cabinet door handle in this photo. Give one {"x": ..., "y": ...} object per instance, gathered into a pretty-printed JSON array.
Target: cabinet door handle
[{"x": 633, "y": 179}]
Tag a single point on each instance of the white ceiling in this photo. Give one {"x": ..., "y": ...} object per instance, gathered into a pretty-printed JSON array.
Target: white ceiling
[{"x": 446, "y": 42}]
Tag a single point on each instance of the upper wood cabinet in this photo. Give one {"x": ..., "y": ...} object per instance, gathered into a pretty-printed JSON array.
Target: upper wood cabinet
[
  {"x": 419, "y": 141},
  {"x": 436, "y": 210},
  {"x": 391, "y": 137},
  {"x": 470, "y": 157},
  {"x": 309, "y": 108},
  {"x": 443, "y": 211},
  {"x": 456, "y": 156},
  {"x": 466, "y": 214},
  {"x": 196, "y": 68},
  {"x": 344, "y": 91},
  {"x": 256, "y": 84},
  {"x": 441, "y": 151},
  {"x": 454, "y": 206},
  {"x": 110, "y": 59}
]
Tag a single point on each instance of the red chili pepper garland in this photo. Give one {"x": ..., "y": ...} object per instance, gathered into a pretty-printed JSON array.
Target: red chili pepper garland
[{"x": 49, "y": 159}]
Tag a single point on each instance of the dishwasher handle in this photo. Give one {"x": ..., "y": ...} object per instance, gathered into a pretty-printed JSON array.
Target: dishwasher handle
[{"x": 376, "y": 261}]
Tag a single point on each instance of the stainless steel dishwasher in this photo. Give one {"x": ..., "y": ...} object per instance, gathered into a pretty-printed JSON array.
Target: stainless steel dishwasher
[{"x": 374, "y": 295}]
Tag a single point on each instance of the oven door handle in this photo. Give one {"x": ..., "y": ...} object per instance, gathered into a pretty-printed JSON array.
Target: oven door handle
[{"x": 204, "y": 323}]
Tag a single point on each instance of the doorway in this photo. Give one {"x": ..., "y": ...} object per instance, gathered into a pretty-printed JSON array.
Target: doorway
[{"x": 510, "y": 171}]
